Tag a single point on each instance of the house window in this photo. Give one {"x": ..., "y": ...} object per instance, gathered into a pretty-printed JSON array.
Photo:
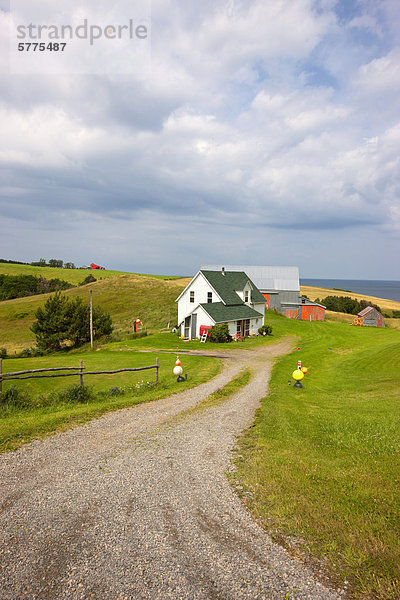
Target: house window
[
  {"x": 191, "y": 296},
  {"x": 209, "y": 297},
  {"x": 246, "y": 296}
]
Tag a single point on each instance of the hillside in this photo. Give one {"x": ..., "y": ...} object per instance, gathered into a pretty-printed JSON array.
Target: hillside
[
  {"x": 74, "y": 276},
  {"x": 127, "y": 296}
]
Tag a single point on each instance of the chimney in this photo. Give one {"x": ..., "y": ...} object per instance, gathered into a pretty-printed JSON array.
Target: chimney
[{"x": 223, "y": 271}]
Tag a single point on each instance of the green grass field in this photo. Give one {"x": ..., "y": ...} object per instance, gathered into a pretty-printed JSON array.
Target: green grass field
[
  {"x": 170, "y": 341},
  {"x": 322, "y": 462},
  {"x": 18, "y": 426}
]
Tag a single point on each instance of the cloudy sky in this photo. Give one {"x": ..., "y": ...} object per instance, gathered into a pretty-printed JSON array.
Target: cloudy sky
[{"x": 263, "y": 132}]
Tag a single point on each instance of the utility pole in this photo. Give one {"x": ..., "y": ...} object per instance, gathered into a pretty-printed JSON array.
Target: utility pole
[{"x": 91, "y": 320}]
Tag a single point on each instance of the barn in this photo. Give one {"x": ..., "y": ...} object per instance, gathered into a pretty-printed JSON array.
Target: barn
[
  {"x": 280, "y": 287},
  {"x": 370, "y": 317}
]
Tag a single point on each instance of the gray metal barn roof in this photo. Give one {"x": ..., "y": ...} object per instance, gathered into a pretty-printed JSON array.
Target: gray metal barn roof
[{"x": 265, "y": 278}]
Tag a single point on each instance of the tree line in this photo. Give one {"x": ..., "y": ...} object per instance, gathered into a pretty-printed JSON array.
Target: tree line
[
  {"x": 345, "y": 304},
  {"x": 19, "y": 286},
  {"x": 55, "y": 263}
]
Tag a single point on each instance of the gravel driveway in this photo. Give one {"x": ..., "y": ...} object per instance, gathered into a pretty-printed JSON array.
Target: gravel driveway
[{"x": 136, "y": 505}]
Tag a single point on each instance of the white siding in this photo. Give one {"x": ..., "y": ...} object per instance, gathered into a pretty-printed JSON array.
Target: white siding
[
  {"x": 200, "y": 286},
  {"x": 240, "y": 293},
  {"x": 232, "y": 328},
  {"x": 260, "y": 308},
  {"x": 255, "y": 324},
  {"x": 203, "y": 319}
]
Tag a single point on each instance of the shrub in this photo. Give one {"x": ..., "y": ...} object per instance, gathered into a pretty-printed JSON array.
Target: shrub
[
  {"x": 25, "y": 353},
  {"x": 219, "y": 333},
  {"x": 3, "y": 352},
  {"x": 88, "y": 279},
  {"x": 17, "y": 398},
  {"x": 76, "y": 394},
  {"x": 345, "y": 304},
  {"x": 265, "y": 330}
]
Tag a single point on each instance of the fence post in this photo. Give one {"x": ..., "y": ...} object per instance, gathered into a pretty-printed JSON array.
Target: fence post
[
  {"x": 91, "y": 317},
  {"x": 81, "y": 372},
  {"x": 157, "y": 367},
  {"x": 1, "y": 379}
]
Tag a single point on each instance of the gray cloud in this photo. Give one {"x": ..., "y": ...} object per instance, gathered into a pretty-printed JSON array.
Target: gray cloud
[{"x": 249, "y": 127}]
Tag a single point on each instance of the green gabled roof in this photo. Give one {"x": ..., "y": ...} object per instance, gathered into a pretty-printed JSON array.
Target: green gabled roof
[
  {"x": 221, "y": 313},
  {"x": 225, "y": 286}
]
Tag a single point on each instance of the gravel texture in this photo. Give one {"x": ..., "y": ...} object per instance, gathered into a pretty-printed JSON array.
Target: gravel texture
[{"x": 136, "y": 505}]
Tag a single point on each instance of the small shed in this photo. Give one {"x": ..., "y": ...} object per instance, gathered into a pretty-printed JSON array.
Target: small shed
[{"x": 370, "y": 317}]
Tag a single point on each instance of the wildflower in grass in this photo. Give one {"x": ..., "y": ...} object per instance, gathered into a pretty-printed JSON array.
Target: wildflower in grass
[{"x": 116, "y": 391}]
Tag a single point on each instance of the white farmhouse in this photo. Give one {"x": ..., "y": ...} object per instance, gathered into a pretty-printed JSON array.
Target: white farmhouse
[{"x": 214, "y": 297}]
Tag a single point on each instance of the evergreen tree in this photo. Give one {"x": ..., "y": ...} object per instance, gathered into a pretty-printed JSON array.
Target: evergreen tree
[
  {"x": 63, "y": 320},
  {"x": 51, "y": 325}
]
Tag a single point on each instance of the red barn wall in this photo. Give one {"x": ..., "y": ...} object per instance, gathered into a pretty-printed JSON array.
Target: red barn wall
[
  {"x": 313, "y": 313},
  {"x": 268, "y": 298}
]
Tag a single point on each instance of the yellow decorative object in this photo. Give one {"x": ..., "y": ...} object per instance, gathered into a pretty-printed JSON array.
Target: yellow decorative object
[
  {"x": 298, "y": 375},
  {"x": 358, "y": 321},
  {"x": 304, "y": 369}
]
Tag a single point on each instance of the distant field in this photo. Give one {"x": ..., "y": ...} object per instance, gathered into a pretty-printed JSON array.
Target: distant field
[
  {"x": 74, "y": 276},
  {"x": 316, "y": 292}
]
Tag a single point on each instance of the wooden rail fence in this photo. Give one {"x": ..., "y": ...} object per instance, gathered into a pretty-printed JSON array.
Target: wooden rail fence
[{"x": 31, "y": 374}]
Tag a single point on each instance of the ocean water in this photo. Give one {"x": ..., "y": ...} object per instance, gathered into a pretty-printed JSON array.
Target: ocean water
[{"x": 380, "y": 289}]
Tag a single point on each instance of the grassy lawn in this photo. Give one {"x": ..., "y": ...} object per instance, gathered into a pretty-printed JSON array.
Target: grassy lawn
[
  {"x": 18, "y": 425},
  {"x": 170, "y": 341},
  {"x": 322, "y": 463}
]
